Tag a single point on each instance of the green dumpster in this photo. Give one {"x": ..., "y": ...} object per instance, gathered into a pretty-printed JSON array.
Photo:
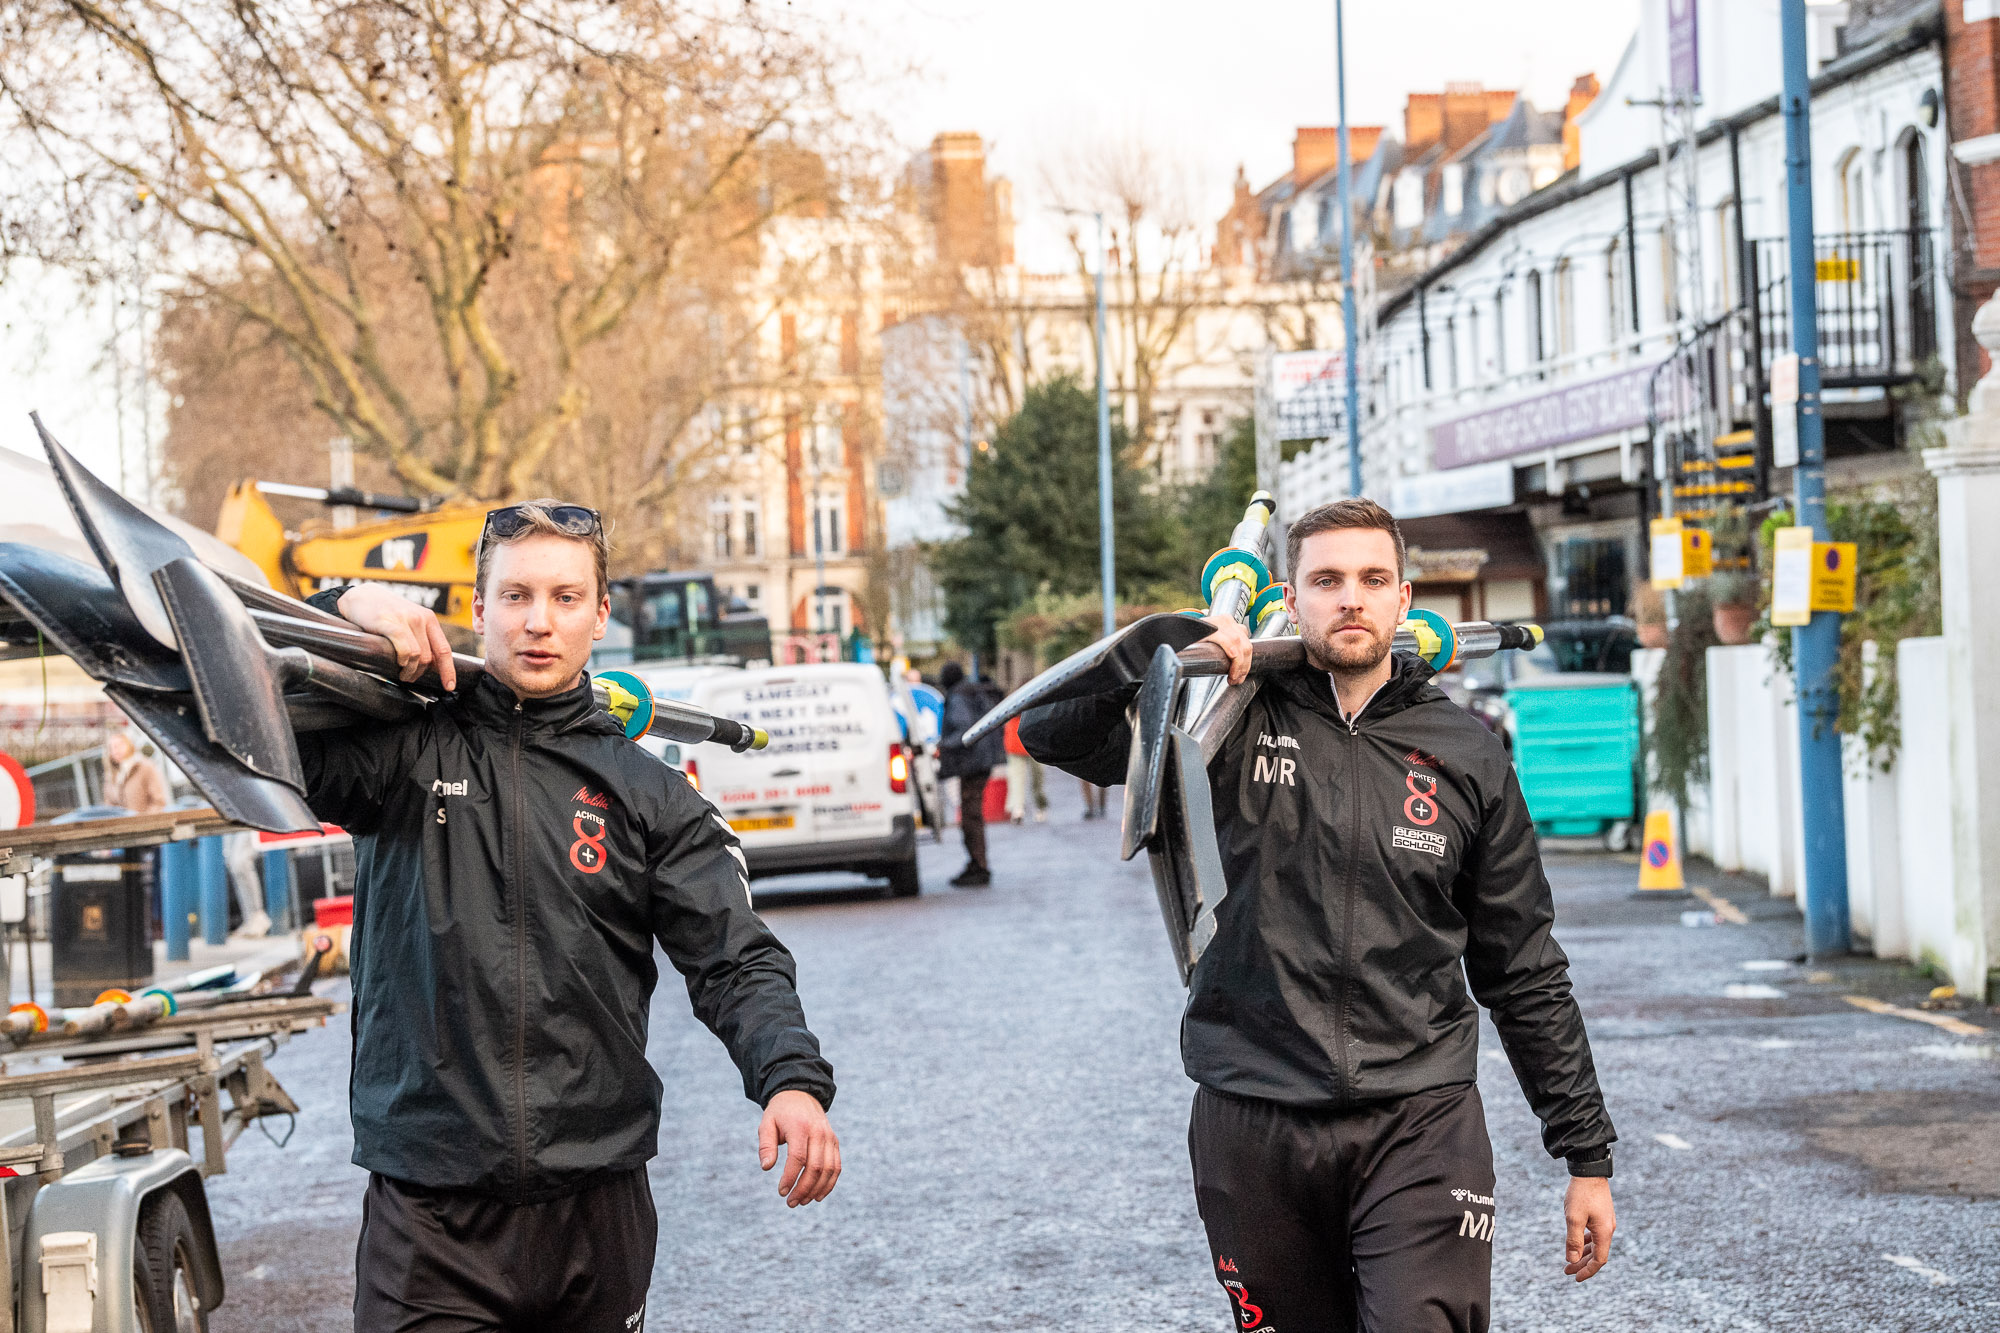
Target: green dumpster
[{"x": 1576, "y": 748}]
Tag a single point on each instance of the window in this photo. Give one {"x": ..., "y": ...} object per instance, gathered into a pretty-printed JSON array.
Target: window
[
  {"x": 826, "y": 526},
  {"x": 701, "y": 607},
  {"x": 1670, "y": 274},
  {"x": 1615, "y": 287},
  {"x": 749, "y": 525},
  {"x": 1454, "y": 190},
  {"x": 746, "y": 426},
  {"x": 1409, "y": 199},
  {"x": 1500, "y": 331},
  {"x": 1854, "y": 191},
  {"x": 1475, "y": 348},
  {"x": 1565, "y": 308},
  {"x": 718, "y": 527},
  {"x": 1538, "y": 351},
  {"x": 753, "y": 593}
]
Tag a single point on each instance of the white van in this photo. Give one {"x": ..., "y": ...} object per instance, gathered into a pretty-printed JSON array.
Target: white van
[{"x": 831, "y": 791}]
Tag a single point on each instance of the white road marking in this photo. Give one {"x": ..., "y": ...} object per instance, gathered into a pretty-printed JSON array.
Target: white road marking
[
  {"x": 1766, "y": 965},
  {"x": 1955, "y": 1051},
  {"x": 1751, "y": 990},
  {"x": 1922, "y": 1270},
  {"x": 1674, "y": 1141},
  {"x": 1775, "y": 1044}
]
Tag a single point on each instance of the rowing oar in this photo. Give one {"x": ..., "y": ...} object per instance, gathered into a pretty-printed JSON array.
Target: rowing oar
[{"x": 1439, "y": 642}]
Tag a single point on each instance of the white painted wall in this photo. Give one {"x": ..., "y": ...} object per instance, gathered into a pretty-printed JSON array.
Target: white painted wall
[{"x": 1923, "y": 803}]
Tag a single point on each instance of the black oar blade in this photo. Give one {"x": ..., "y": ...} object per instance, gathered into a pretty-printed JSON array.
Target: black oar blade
[
  {"x": 81, "y": 615},
  {"x": 1112, "y": 662},
  {"x": 236, "y": 676},
  {"x": 1152, "y": 729},
  {"x": 174, "y": 723},
  {"x": 129, "y": 543}
]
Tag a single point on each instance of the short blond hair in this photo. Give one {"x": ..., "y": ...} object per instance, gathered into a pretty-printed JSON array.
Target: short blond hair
[{"x": 540, "y": 524}]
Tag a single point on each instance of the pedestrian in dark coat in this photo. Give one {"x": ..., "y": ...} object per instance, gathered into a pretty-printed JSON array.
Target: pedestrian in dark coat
[{"x": 967, "y": 699}]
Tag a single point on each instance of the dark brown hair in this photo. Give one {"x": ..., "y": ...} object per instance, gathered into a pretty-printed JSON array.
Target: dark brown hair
[
  {"x": 1355, "y": 513},
  {"x": 536, "y": 512}
]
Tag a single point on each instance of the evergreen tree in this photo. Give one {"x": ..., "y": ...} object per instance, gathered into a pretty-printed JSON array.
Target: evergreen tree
[{"x": 1030, "y": 516}]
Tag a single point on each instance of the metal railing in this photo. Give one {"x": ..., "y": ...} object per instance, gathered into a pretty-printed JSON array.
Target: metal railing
[{"x": 1878, "y": 306}]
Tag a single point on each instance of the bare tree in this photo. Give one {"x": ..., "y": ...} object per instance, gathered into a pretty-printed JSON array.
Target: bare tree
[{"x": 459, "y": 220}]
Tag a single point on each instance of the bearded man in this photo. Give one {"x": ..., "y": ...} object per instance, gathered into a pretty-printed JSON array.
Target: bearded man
[{"x": 1379, "y": 856}]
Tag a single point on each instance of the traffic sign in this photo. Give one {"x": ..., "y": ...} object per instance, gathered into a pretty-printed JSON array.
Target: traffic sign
[{"x": 17, "y": 794}]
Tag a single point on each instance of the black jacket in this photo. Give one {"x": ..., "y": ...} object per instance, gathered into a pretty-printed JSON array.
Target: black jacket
[
  {"x": 1365, "y": 864},
  {"x": 969, "y": 701},
  {"x": 515, "y": 862}
]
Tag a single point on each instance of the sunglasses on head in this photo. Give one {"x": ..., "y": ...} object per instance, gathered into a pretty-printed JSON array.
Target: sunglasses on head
[{"x": 512, "y": 521}]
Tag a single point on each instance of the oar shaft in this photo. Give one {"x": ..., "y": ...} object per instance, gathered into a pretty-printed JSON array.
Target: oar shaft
[{"x": 1476, "y": 638}]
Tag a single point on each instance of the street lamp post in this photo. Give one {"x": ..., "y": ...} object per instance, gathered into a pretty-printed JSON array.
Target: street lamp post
[
  {"x": 1107, "y": 567},
  {"x": 1815, "y": 646},
  {"x": 1347, "y": 318}
]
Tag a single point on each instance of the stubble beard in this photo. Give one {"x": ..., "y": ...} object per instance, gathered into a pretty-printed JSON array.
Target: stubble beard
[{"x": 1329, "y": 651}]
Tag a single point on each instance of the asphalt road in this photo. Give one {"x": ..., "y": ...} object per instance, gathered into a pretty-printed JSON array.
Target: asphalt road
[{"x": 1013, "y": 1118}]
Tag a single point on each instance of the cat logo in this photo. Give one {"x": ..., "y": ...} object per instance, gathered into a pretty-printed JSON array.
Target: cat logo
[
  {"x": 399, "y": 553},
  {"x": 1275, "y": 768}
]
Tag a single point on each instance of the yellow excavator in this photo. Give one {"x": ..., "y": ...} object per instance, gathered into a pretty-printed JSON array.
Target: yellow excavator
[
  {"x": 415, "y": 549},
  {"x": 424, "y": 551}
]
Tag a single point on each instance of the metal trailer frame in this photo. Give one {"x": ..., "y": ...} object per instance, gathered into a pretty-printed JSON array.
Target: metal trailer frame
[{"x": 75, "y": 1180}]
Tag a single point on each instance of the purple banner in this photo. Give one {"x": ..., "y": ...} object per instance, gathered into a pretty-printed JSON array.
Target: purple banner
[
  {"x": 1683, "y": 48},
  {"x": 1617, "y": 402}
]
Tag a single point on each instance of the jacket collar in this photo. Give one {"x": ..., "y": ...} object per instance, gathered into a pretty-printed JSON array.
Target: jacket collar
[
  {"x": 1409, "y": 683},
  {"x": 492, "y": 703}
]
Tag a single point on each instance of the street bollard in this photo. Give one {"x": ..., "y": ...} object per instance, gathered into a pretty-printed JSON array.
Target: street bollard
[
  {"x": 278, "y": 889},
  {"x": 214, "y": 876},
  {"x": 177, "y": 897}
]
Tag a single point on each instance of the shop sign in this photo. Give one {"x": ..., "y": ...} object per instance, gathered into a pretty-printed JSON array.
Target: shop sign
[{"x": 1577, "y": 412}]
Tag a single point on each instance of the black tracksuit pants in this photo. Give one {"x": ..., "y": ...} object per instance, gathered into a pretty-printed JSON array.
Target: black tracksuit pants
[
  {"x": 445, "y": 1261},
  {"x": 1378, "y": 1219}
]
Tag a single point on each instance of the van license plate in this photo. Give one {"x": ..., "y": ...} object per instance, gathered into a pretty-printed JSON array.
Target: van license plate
[{"x": 760, "y": 823}]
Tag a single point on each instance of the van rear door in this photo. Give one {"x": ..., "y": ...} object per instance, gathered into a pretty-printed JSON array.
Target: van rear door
[{"x": 824, "y": 777}]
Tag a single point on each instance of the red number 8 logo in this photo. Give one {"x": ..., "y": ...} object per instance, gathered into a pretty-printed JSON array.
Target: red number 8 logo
[
  {"x": 587, "y": 852},
  {"x": 1421, "y": 805}
]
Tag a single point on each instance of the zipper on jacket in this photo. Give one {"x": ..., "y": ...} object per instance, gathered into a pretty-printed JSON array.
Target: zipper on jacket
[
  {"x": 520, "y": 962},
  {"x": 1340, "y": 1079}
]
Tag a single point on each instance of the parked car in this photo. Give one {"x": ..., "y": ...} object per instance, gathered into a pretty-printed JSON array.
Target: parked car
[
  {"x": 1480, "y": 687},
  {"x": 832, "y": 791}
]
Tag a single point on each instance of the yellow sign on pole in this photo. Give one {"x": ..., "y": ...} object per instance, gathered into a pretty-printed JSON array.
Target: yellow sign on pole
[
  {"x": 1697, "y": 553},
  {"x": 1833, "y": 566},
  {"x": 1839, "y": 270}
]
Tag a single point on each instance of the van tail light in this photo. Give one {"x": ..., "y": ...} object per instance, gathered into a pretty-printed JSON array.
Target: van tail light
[
  {"x": 899, "y": 768},
  {"x": 693, "y": 771}
]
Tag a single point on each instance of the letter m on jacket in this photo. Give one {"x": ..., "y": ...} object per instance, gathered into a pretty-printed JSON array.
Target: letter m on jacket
[
  {"x": 1272, "y": 768},
  {"x": 1479, "y": 1226}
]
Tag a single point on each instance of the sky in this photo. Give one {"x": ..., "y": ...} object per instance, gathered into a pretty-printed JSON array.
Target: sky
[
  {"x": 1205, "y": 85},
  {"x": 1210, "y": 84}
]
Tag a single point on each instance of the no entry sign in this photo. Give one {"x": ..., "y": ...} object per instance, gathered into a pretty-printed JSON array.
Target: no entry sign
[{"x": 17, "y": 794}]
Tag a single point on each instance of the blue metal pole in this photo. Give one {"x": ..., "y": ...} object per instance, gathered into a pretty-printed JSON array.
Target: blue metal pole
[
  {"x": 214, "y": 892},
  {"x": 177, "y": 897},
  {"x": 278, "y": 889},
  {"x": 1107, "y": 565},
  {"x": 1347, "y": 319},
  {"x": 1815, "y": 647}
]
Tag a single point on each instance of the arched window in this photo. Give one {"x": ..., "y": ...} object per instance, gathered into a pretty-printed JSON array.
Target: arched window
[{"x": 1616, "y": 287}]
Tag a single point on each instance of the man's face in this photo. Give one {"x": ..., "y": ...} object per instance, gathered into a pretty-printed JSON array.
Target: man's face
[
  {"x": 1347, "y": 598},
  {"x": 540, "y": 611}
]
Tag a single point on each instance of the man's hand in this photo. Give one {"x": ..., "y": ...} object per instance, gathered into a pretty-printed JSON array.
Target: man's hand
[
  {"x": 414, "y": 631},
  {"x": 1234, "y": 641},
  {"x": 1588, "y": 1211},
  {"x": 812, "y": 1150}
]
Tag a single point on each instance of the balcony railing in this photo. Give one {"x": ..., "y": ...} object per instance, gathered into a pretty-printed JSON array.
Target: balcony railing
[{"x": 1878, "y": 307}]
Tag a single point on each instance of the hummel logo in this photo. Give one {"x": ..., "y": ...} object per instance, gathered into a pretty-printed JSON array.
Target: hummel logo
[
  {"x": 440, "y": 787},
  {"x": 584, "y": 797}
]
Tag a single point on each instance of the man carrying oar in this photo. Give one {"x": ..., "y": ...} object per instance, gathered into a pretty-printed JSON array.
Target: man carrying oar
[
  {"x": 516, "y": 859},
  {"x": 1378, "y": 856}
]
